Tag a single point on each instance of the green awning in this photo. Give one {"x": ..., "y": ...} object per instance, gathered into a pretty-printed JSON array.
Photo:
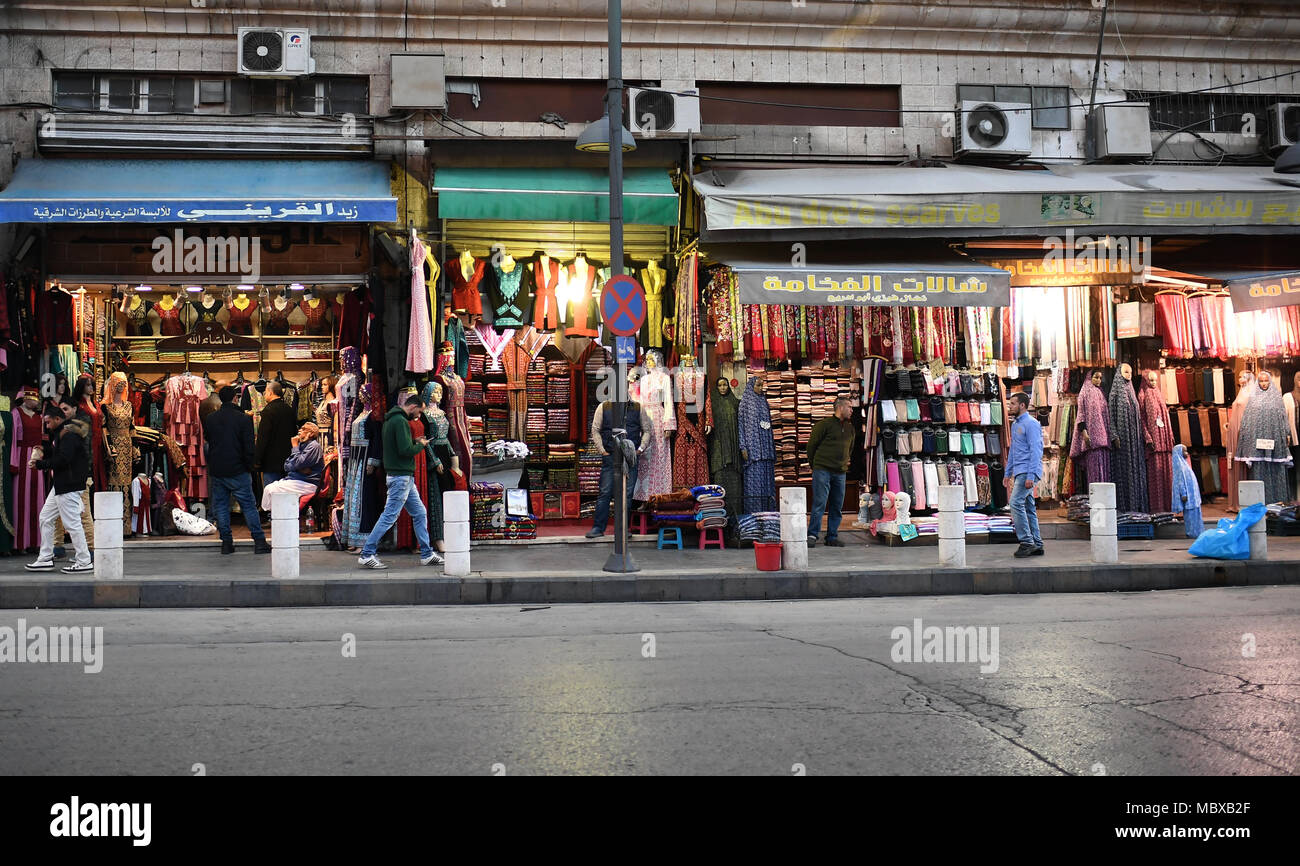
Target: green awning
[{"x": 553, "y": 194}]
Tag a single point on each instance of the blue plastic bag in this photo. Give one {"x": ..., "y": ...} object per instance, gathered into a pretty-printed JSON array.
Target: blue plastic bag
[{"x": 1229, "y": 540}]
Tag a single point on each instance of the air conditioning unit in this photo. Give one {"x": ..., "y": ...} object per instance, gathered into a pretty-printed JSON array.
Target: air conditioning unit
[
  {"x": 1120, "y": 131},
  {"x": 656, "y": 112},
  {"x": 274, "y": 53},
  {"x": 994, "y": 130},
  {"x": 1283, "y": 124}
]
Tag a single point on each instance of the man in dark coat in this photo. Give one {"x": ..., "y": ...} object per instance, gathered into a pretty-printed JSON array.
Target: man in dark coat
[
  {"x": 69, "y": 460},
  {"x": 229, "y": 436},
  {"x": 275, "y": 434}
]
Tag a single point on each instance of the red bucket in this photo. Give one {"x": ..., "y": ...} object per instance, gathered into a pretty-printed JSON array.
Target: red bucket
[{"x": 767, "y": 555}]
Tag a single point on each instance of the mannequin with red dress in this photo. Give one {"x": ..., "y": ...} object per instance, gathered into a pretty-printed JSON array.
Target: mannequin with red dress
[{"x": 29, "y": 484}]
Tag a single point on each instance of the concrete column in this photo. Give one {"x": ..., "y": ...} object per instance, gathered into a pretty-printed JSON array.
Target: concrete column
[
  {"x": 794, "y": 528},
  {"x": 284, "y": 536},
  {"x": 455, "y": 533},
  {"x": 1252, "y": 493},
  {"x": 109, "y": 564},
  {"x": 1103, "y": 523},
  {"x": 952, "y": 526}
]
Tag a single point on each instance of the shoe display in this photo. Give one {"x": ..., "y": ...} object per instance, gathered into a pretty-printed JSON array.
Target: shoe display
[{"x": 370, "y": 562}]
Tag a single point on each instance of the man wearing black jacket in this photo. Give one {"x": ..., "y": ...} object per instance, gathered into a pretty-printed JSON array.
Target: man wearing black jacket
[
  {"x": 275, "y": 432},
  {"x": 70, "y": 462},
  {"x": 229, "y": 436}
]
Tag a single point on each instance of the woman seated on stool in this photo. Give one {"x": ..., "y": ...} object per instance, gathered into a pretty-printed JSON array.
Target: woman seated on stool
[{"x": 303, "y": 470}]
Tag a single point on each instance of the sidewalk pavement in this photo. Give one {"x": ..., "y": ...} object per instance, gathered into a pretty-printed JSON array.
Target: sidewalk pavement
[{"x": 565, "y": 573}]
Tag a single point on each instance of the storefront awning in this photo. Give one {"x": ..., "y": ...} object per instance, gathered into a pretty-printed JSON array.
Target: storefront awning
[
  {"x": 962, "y": 201},
  {"x": 198, "y": 190},
  {"x": 926, "y": 277},
  {"x": 553, "y": 194}
]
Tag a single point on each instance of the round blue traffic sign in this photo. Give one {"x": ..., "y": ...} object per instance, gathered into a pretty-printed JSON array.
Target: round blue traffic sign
[{"x": 622, "y": 305}]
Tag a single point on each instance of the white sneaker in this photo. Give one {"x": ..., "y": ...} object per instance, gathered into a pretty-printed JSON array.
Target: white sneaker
[
  {"x": 79, "y": 569},
  {"x": 435, "y": 558},
  {"x": 40, "y": 565},
  {"x": 370, "y": 562}
]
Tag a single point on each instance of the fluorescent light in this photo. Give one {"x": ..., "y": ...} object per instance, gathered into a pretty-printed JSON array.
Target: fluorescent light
[
  {"x": 144, "y": 288},
  {"x": 246, "y": 288},
  {"x": 193, "y": 288},
  {"x": 295, "y": 287}
]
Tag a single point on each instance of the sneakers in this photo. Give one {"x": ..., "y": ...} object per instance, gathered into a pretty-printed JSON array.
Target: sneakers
[
  {"x": 1038, "y": 551},
  {"x": 595, "y": 533},
  {"x": 370, "y": 562},
  {"x": 812, "y": 541},
  {"x": 834, "y": 542},
  {"x": 79, "y": 569},
  {"x": 1024, "y": 550},
  {"x": 434, "y": 558},
  {"x": 40, "y": 565}
]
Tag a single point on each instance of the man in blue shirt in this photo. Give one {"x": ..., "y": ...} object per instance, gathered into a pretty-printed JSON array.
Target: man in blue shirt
[{"x": 1024, "y": 468}]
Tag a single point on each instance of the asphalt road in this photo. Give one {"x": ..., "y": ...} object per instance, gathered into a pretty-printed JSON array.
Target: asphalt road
[{"x": 1143, "y": 683}]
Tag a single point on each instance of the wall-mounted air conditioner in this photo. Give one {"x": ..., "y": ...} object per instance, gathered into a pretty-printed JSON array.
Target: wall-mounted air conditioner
[
  {"x": 1120, "y": 131},
  {"x": 656, "y": 112},
  {"x": 1283, "y": 124},
  {"x": 993, "y": 130},
  {"x": 274, "y": 53}
]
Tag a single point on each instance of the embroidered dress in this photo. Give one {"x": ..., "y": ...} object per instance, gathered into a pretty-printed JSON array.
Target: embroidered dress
[
  {"x": 317, "y": 322},
  {"x": 137, "y": 319},
  {"x": 30, "y": 485},
  {"x": 690, "y": 459},
  {"x": 759, "y": 451},
  {"x": 506, "y": 297},
  {"x": 169, "y": 320},
  {"x": 654, "y": 391},
  {"x": 465, "y": 296},
  {"x": 241, "y": 320},
  {"x": 545, "y": 273},
  {"x": 440, "y": 454},
  {"x": 454, "y": 386},
  {"x": 1264, "y": 423},
  {"x": 419, "y": 348},
  {"x": 205, "y": 313},
  {"x": 276, "y": 322},
  {"x": 119, "y": 421},
  {"x": 184, "y": 394}
]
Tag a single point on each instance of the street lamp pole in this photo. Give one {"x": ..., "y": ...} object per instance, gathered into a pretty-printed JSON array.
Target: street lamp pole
[{"x": 620, "y": 560}]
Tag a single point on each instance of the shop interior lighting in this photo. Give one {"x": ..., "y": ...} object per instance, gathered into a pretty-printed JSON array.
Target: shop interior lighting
[{"x": 144, "y": 288}]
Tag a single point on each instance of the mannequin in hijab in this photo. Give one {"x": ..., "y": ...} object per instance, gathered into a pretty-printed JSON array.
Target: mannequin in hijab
[
  {"x": 1291, "y": 400},
  {"x": 1237, "y": 471},
  {"x": 1128, "y": 467},
  {"x": 1262, "y": 440}
]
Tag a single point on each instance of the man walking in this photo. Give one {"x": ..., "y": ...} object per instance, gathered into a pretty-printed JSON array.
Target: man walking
[
  {"x": 70, "y": 462},
  {"x": 636, "y": 421},
  {"x": 829, "y": 449},
  {"x": 1024, "y": 468},
  {"x": 275, "y": 434},
  {"x": 399, "y": 465},
  {"x": 229, "y": 436}
]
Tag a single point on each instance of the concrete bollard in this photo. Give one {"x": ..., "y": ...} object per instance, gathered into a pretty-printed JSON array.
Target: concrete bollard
[
  {"x": 284, "y": 536},
  {"x": 1103, "y": 523},
  {"x": 794, "y": 529},
  {"x": 109, "y": 562},
  {"x": 1252, "y": 493},
  {"x": 952, "y": 526},
  {"x": 455, "y": 533}
]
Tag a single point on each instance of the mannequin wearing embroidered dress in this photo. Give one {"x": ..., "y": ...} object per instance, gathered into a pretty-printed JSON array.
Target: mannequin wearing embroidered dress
[
  {"x": 166, "y": 316},
  {"x": 582, "y": 313},
  {"x": 464, "y": 273},
  {"x": 206, "y": 309},
  {"x": 444, "y": 466},
  {"x": 276, "y": 320},
  {"x": 454, "y": 405},
  {"x": 30, "y": 485},
  {"x": 136, "y": 311},
  {"x": 315, "y": 311},
  {"x": 508, "y": 293},
  {"x": 653, "y": 279},
  {"x": 119, "y": 421},
  {"x": 544, "y": 273},
  {"x": 654, "y": 391},
  {"x": 690, "y": 452},
  {"x": 241, "y": 317}
]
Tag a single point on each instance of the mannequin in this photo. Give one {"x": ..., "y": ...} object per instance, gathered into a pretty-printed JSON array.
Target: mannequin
[
  {"x": 136, "y": 310},
  {"x": 206, "y": 308},
  {"x": 690, "y": 456},
  {"x": 1127, "y": 448},
  {"x": 1090, "y": 445},
  {"x": 722, "y": 426},
  {"x": 654, "y": 391},
  {"x": 241, "y": 315},
  {"x": 83, "y": 395},
  {"x": 166, "y": 314},
  {"x": 757, "y": 448},
  {"x": 119, "y": 421},
  {"x": 1262, "y": 442},
  {"x": 464, "y": 273},
  {"x": 653, "y": 279},
  {"x": 544, "y": 274},
  {"x": 1159, "y": 441},
  {"x": 1186, "y": 492},
  {"x": 1237, "y": 471},
  {"x": 582, "y": 316},
  {"x": 276, "y": 320},
  {"x": 364, "y": 494},
  {"x": 1291, "y": 400},
  {"x": 454, "y": 386},
  {"x": 445, "y": 473},
  {"x": 317, "y": 314},
  {"x": 507, "y": 293},
  {"x": 30, "y": 485}
]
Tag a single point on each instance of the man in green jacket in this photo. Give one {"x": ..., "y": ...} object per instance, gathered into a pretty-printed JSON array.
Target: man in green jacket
[
  {"x": 829, "y": 450},
  {"x": 400, "y": 449}
]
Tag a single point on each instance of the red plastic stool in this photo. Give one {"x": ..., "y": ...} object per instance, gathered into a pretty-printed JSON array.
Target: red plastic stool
[
  {"x": 638, "y": 523},
  {"x": 712, "y": 537}
]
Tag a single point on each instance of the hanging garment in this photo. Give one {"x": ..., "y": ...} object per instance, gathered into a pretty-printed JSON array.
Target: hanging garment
[
  {"x": 1262, "y": 441},
  {"x": 419, "y": 346},
  {"x": 119, "y": 422},
  {"x": 1186, "y": 492},
  {"x": 654, "y": 391},
  {"x": 137, "y": 317},
  {"x": 454, "y": 405},
  {"x": 1127, "y": 451},
  {"x": 241, "y": 319},
  {"x": 465, "y": 287},
  {"x": 722, "y": 414},
  {"x": 544, "y": 274},
  {"x": 205, "y": 312},
  {"x": 169, "y": 320},
  {"x": 652, "y": 332},
  {"x": 364, "y": 492},
  {"x": 507, "y": 294},
  {"x": 317, "y": 313},
  {"x": 30, "y": 486},
  {"x": 1159, "y": 441},
  {"x": 1236, "y": 471},
  {"x": 581, "y": 311},
  {"x": 690, "y": 459},
  {"x": 758, "y": 451},
  {"x": 1094, "y": 454}
]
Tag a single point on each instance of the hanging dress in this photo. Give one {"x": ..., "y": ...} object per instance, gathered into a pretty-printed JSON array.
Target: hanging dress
[
  {"x": 454, "y": 386},
  {"x": 690, "y": 457},
  {"x": 184, "y": 394},
  {"x": 464, "y": 291},
  {"x": 419, "y": 348},
  {"x": 758, "y": 451},
  {"x": 508, "y": 296},
  {"x": 30, "y": 485},
  {"x": 169, "y": 320},
  {"x": 137, "y": 319},
  {"x": 654, "y": 391},
  {"x": 119, "y": 421},
  {"x": 241, "y": 320},
  {"x": 545, "y": 274}
]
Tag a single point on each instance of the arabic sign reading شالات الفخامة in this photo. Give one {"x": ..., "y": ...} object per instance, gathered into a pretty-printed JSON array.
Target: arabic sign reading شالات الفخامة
[
  {"x": 974, "y": 287},
  {"x": 101, "y": 211}
]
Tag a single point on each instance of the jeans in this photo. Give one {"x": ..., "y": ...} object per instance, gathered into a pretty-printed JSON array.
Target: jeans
[
  {"x": 67, "y": 506},
  {"x": 828, "y": 496},
  {"x": 241, "y": 487},
  {"x": 1024, "y": 513},
  {"x": 402, "y": 493},
  {"x": 601, "y": 519}
]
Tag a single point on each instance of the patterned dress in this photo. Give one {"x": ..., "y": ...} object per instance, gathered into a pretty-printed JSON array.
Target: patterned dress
[
  {"x": 437, "y": 426},
  {"x": 759, "y": 451},
  {"x": 419, "y": 349},
  {"x": 690, "y": 456},
  {"x": 654, "y": 392},
  {"x": 30, "y": 485},
  {"x": 119, "y": 420},
  {"x": 184, "y": 394},
  {"x": 454, "y": 386}
]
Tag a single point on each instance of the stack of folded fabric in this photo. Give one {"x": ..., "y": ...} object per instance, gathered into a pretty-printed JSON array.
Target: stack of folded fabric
[
  {"x": 498, "y": 423},
  {"x": 535, "y": 420},
  {"x": 561, "y": 478},
  {"x": 557, "y": 420},
  {"x": 477, "y": 437},
  {"x": 536, "y": 478},
  {"x": 536, "y": 382},
  {"x": 1077, "y": 509},
  {"x": 1001, "y": 524},
  {"x": 1132, "y": 518},
  {"x": 557, "y": 389},
  {"x": 760, "y": 526},
  {"x": 710, "y": 506},
  {"x": 557, "y": 368},
  {"x": 783, "y": 401},
  {"x": 297, "y": 350},
  {"x": 589, "y": 469},
  {"x": 477, "y": 364},
  {"x": 676, "y": 507},
  {"x": 928, "y": 525},
  {"x": 473, "y": 393},
  {"x": 562, "y": 452},
  {"x": 321, "y": 349},
  {"x": 1162, "y": 517},
  {"x": 977, "y": 523},
  {"x": 497, "y": 394},
  {"x": 486, "y": 503},
  {"x": 172, "y": 357}
]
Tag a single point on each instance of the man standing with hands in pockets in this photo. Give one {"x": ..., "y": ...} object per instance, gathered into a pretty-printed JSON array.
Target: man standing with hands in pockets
[{"x": 1024, "y": 468}]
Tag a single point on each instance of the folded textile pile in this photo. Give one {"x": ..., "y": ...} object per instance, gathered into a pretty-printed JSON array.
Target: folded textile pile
[
  {"x": 1162, "y": 517},
  {"x": 1076, "y": 509},
  {"x": 512, "y": 529},
  {"x": 589, "y": 469},
  {"x": 562, "y": 478},
  {"x": 473, "y": 393},
  {"x": 536, "y": 382},
  {"x": 557, "y": 389},
  {"x": 760, "y": 526},
  {"x": 486, "y": 507},
  {"x": 477, "y": 364},
  {"x": 297, "y": 350},
  {"x": 677, "y": 506},
  {"x": 1001, "y": 523},
  {"x": 536, "y": 420},
  {"x": 498, "y": 423},
  {"x": 497, "y": 394},
  {"x": 710, "y": 506},
  {"x": 561, "y": 452},
  {"x": 1132, "y": 518},
  {"x": 557, "y": 420}
]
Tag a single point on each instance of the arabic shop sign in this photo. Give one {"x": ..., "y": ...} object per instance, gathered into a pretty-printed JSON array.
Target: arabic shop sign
[
  {"x": 184, "y": 210},
  {"x": 207, "y": 336},
  {"x": 868, "y": 287},
  {"x": 1265, "y": 292}
]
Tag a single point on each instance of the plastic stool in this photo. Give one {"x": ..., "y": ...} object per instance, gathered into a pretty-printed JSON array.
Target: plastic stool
[
  {"x": 712, "y": 537},
  {"x": 638, "y": 522},
  {"x": 664, "y": 540}
]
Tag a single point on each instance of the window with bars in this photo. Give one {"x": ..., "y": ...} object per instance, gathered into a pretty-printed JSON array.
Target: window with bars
[
  {"x": 1051, "y": 105},
  {"x": 152, "y": 94},
  {"x": 116, "y": 92},
  {"x": 1207, "y": 112}
]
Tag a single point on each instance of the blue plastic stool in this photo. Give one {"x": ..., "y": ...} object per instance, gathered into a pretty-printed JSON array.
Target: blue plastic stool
[{"x": 664, "y": 541}]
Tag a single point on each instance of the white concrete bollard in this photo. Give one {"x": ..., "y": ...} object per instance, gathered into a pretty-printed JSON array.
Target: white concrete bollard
[
  {"x": 794, "y": 529},
  {"x": 285, "y": 562},
  {"x": 794, "y": 500},
  {"x": 952, "y": 526},
  {"x": 1103, "y": 523},
  {"x": 109, "y": 562},
  {"x": 455, "y": 533},
  {"x": 1249, "y": 493}
]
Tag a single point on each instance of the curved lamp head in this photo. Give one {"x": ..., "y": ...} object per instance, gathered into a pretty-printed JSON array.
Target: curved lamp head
[{"x": 595, "y": 138}]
